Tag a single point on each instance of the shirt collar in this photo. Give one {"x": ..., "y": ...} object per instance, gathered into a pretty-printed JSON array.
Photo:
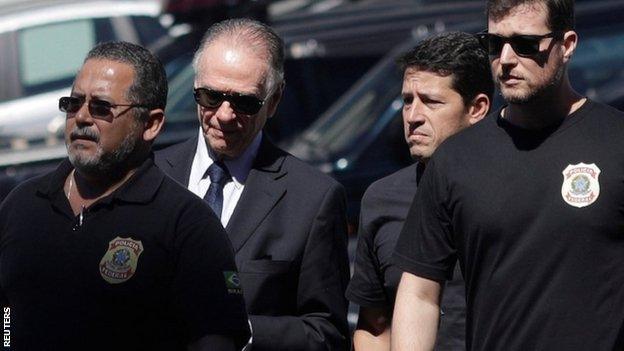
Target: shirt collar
[
  {"x": 140, "y": 188},
  {"x": 239, "y": 167}
]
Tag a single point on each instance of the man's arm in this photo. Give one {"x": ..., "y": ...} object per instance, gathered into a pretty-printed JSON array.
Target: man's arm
[
  {"x": 321, "y": 320},
  {"x": 416, "y": 314},
  {"x": 373, "y": 329}
]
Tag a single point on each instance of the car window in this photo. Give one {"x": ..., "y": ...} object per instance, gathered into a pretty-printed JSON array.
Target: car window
[
  {"x": 148, "y": 29},
  {"x": 598, "y": 58},
  {"x": 357, "y": 116},
  {"x": 181, "y": 105},
  {"x": 49, "y": 57}
]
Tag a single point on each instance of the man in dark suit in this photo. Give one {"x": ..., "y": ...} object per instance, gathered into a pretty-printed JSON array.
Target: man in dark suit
[
  {"x": 447, "y": 87},
  {"x": 285, "y": 219}
]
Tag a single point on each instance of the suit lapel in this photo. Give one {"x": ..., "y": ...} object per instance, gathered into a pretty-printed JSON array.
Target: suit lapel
[
  {"x": 264, "y": 187},
  {"x": 180, "y": 161}
]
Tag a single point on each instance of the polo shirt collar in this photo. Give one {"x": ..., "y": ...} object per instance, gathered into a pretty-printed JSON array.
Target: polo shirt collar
[{"x": 140, "y": 188}]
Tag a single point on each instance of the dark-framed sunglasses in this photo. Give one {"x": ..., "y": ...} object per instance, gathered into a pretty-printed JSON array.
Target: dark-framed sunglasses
[
  {"x": 97, "y": 108},
  {"x": 241, "y": 103},
  {"x": 523, "y": 45}
]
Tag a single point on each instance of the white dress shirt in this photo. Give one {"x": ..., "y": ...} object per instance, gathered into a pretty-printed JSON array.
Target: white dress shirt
[{"x": 239, "y": 170}]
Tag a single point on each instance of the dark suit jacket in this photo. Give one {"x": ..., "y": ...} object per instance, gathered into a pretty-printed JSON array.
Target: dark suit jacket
[{"x": 289, "y": 234}]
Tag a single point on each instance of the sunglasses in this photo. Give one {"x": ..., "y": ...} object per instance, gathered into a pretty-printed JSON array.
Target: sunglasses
[
  {"x": 245, "y": 104},
  {"x": 97, "y": 108},
  {"x": 523, "y": 45}
]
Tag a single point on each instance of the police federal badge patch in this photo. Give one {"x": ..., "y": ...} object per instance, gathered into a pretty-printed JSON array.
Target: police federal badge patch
[
  {"x": 120, "y": 260},
  {"x": 580, "y": 186}
]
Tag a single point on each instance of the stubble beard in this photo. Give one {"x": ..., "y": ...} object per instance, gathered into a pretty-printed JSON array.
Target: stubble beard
[
  {"x": 537, "y": 94},
  {"x": 111, "y": 163}
]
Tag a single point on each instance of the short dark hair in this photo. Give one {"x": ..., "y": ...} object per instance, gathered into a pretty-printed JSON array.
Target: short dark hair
[
  {"x": 560, "y": 12},
  {"x": 456, "y": 54},
  {"x": 255, "y": 34},
  {"x": 150, "y": 80}
]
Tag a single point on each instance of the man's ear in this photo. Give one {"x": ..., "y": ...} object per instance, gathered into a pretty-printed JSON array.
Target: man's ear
[
  {"x": 570, "y": 39},
  {"x": 478, "y": 108},
  {"x": 275, "y": 99},
  {"x": 153, "y": 125}
]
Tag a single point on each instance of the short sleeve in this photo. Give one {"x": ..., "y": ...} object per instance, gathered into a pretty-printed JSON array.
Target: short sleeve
[
  {"x": 366, "y": 287},
  {"x": 207, "y": 293},
  {"x": 425, "y": 247}
]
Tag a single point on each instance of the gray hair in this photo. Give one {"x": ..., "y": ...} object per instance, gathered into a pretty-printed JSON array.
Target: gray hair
[{"x": 258, "y": 36}]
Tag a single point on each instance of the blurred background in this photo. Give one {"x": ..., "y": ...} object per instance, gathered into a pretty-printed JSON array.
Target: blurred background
[{"x": 341, "y": 108}]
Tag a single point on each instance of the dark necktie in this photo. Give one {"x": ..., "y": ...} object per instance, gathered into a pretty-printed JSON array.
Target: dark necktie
[{"x": 219, "y": 175}]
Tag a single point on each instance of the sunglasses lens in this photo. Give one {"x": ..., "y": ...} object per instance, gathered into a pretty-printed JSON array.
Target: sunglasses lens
[
  {"x": 99, "y": 108},
  {"x": 69, "y": 104},
  {"x": 208, "y": 98},
  {"x": 495, "y": 45},
  {"x": 525, "y": 45},
  {"x": 246, "y": 104}
]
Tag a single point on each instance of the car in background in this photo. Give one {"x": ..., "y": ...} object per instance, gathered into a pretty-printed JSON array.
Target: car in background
[
  {"x": 43, "y": 43},
  {"x": 360, "y": 138}
]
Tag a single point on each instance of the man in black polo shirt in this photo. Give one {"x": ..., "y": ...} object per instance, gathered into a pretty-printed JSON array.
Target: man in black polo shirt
[
  {"x": 446, "y": 88},
  {"x": 106, "y": 252},
  {"x": 530, "y": 201}
]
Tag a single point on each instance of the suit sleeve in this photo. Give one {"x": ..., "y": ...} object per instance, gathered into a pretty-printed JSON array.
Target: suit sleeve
[{"x": 321, "y": 323}]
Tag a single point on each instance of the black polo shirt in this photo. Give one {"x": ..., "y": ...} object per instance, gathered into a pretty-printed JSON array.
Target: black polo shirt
[
  {"x": 536, "y": 220},
  {"x": 375, "y": 278},
  {"x": 148, "y": 268}
]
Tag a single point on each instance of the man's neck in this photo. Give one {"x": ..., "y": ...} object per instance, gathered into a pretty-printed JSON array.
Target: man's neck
[
  {"x": 545, "y": 112},
  {"x": 83, "y": 189}
]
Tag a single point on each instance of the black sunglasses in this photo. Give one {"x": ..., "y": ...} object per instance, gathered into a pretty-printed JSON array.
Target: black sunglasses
[
  {"x": 246, "y": 104},
  {"x": 97, "y": 108},
  {"x": 523, "y": 45}
]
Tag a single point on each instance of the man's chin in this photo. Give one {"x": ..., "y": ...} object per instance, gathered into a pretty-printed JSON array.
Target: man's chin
[
  {"x": 224, "y": 148},
  {"x": 419, "y": 153}
]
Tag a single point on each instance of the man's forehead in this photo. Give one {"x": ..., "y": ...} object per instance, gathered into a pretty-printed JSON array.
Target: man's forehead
[
  {"x": 423, "y": 79},
  {"x": 232, "y": 64},
  {"x": 103, "y": 74},
  {"x": 530, "y": 13}
]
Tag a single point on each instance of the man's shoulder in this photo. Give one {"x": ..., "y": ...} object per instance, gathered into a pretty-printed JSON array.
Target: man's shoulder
[
  {"x": 604, "y": 112},
  {"x": 483, "y": 135},
  {"x": 31, "y": 186},
  {"x": 174, "y": 150},
  {"x": 401, "y": 183},
  {"x": 302, "y": 173}
]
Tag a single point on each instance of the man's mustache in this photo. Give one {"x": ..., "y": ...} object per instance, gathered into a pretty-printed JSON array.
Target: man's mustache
[{"x": 84, "y": 133}]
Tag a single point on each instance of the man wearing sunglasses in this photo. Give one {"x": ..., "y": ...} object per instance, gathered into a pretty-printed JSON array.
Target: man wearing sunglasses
[
  {"x": 106, "y": 252},
  {"x": 285, "y": 219},
  {"x": 529, "y": 201}
]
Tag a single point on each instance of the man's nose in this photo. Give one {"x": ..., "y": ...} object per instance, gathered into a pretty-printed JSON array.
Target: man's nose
[
  {"x": 415, "y": 112},
  {"x": 83, "y": 115},
  {"x": 508, "y": 56},
  {"x": 225, "y": 113}
]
